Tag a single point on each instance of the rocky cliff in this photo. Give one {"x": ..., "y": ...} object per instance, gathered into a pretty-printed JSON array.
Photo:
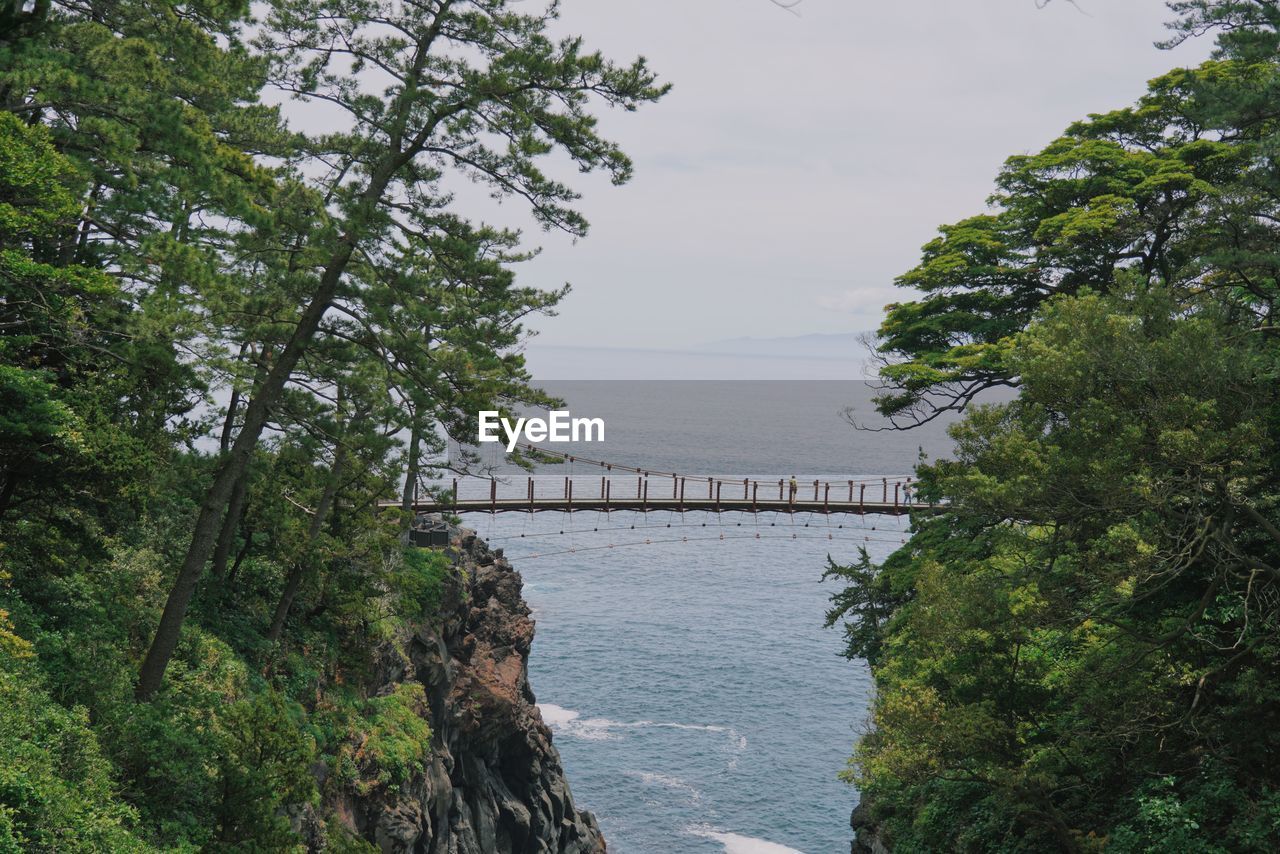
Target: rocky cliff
[
  {"x": 493, "y": 782},
  {"x": 866, "y": 835}
]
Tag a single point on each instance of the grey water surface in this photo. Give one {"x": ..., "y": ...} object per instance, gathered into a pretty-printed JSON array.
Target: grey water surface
[{"x": 681, "y": 661}]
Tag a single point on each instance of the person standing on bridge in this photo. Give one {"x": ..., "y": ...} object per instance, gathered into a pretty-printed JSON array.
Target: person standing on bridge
[{"x": 795, "y": 486}]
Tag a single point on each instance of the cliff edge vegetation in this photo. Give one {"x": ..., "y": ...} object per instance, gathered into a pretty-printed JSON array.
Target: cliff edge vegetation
[
  {"x": 239, "y": 308},
  {"x": 1083, "y": 652}
]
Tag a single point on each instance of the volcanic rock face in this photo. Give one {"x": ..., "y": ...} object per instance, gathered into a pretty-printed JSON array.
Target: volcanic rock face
[
  {"x": 493, "y": 782},
  {"x": 866, "y": 836}
]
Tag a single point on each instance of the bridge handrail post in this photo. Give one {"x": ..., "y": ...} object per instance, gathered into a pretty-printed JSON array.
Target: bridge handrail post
[
  {"x": 718, "y": 485},
  {"x": 885, "y": 498},
  {"x": 754, "y": 492},
  {"x": 862, "y": 499},
  {"x": 896, "y": 487},
  {"x": 530, "y": 493},
  {"x": 815, "y": 489},
  {"x": 826, "y": 499},
  {"x": 493, "y": 495},
  {"x": 850, "y": 492},
  {"x": 644, "y": 502}
]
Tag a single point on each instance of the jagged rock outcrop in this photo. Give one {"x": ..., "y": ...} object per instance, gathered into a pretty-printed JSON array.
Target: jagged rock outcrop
[
  {"x": 866, "y": 835},
  {"x": 493, "y": 782}
]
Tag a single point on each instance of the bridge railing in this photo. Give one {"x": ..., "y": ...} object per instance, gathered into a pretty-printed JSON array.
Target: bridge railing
[
  {"x": 610, "y": 484},
  {"x": 666, "y": 490}
]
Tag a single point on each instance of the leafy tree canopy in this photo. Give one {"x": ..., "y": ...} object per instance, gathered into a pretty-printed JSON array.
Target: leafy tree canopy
[{"x": 1080, "y": 653}]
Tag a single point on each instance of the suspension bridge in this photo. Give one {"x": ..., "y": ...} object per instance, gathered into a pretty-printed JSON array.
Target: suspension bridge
[{"x": 613, "y": 487}]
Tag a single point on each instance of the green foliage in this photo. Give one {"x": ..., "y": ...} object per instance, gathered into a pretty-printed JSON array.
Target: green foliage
[
  {"x": 1158, "y": 194},
  {"x": 380, "y": 742},
  {"x": 397, "y": 741},
  {"x": 340, "y": 840},
  {"x": 56, "y": 786},
  {"x": 865, "y": 605},
  {"x": 264, "y": 765},
  {"x": 1095, "y": 610},
  {"x": 1083, "y": 652},
  {"x": 35, "y": 199},
  {"x": 215, "y": 331},
  {"x": 420, "y": 582},
  {"x": 48, "y": 426}
]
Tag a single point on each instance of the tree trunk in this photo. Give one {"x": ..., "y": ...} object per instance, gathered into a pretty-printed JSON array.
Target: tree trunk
[
  {"x": 212, "y": 508},
  {"x": 6, "y": 492},
  {"x": 299, "y": 569},
  {"x": 230, "y": 524},
  {"x": 410, "y": 478},
  {"x": 286, "y": 598},
  {"x": 224, "y": 441},
  {"x": 240, "y": 556}
]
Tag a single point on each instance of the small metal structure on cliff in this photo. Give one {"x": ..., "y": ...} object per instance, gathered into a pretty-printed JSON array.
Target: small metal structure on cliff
[{"x": 430, "y": 533}]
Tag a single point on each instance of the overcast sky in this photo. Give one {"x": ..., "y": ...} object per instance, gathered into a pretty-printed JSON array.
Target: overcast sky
[{"x": 801, "y": 160}]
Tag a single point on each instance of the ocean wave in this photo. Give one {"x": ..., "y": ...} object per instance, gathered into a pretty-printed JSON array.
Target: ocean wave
[
  {"x": 666, "y": 781},
  {"x": 556, "y": 716},
  {"x": 736, "y": 843},
  {"x": 571, "y": 724}
]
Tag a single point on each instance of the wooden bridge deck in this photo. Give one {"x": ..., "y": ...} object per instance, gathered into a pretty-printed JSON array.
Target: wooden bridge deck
[
  {"x": 628, "y": 488},
  {"x": 650, "y": 491}
]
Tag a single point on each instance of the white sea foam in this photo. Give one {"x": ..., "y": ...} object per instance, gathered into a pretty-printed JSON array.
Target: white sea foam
[
  {"x": 694, "y": 727},
  {"x": 666, "y": 781},
  {"x": 554, "y": 715},
  {"x": 571, "y": 724},
  {"x": 736, "y": 843}
]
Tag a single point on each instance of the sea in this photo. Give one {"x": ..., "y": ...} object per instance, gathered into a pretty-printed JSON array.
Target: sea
[{"x": 696, "y": 698}]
